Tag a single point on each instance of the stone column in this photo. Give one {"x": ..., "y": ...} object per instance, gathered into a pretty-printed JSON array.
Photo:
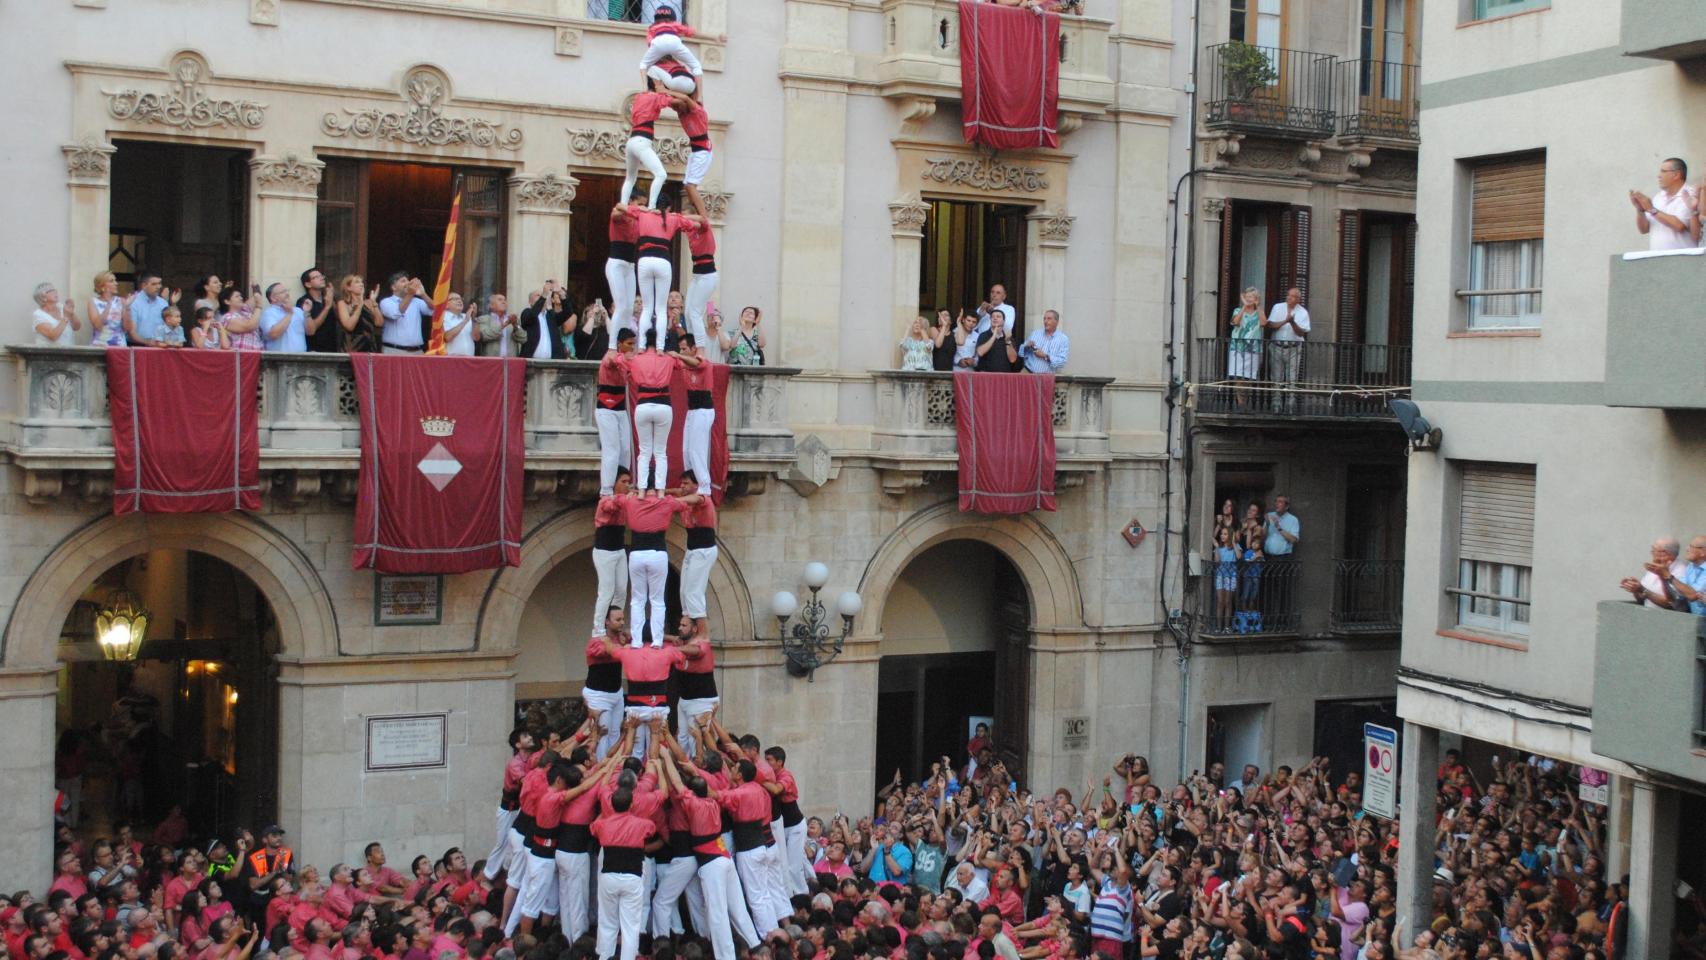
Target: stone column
[
  {"x": 282, "y": 192},
  {"x": 1048, "y": 234},
  {"x": 908, "y": 217},
  {"x": 538, "y": 232},
  {"x": 27, "y": 697},
  {"x": 1416, "y": 792},
  {"x": 1652, "y": 869},
  {"x": 89, "y": 165},
  {"x": 816, "y": 67}
]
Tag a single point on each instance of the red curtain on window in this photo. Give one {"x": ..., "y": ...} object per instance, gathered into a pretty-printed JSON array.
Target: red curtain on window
[{"x": 1009, "y": 76}]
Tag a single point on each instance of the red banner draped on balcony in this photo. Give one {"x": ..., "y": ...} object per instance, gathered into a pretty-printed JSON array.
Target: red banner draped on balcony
[
  {"x": 1005, "y": 426},
  {"x": 677, "y": 430},
  {"x": 442, "y": 460},
  {"x": 1009, "y": 76},
  {"x": 184, "y": 430}
]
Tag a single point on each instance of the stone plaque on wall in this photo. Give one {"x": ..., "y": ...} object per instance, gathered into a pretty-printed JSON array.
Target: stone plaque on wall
[
  {"x": 1074, "y": 733},
  {"x": 408, "y": 741}
]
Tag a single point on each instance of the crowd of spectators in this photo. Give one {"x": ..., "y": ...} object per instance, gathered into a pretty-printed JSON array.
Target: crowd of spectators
[{"x": 985, "y": 339}]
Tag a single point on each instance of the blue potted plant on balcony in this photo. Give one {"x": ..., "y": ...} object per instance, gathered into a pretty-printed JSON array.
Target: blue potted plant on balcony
[{"x": 1247, "y": 69}]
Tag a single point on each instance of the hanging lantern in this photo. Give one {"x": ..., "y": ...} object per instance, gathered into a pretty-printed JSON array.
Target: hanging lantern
[{"x": 120, "y": 626}]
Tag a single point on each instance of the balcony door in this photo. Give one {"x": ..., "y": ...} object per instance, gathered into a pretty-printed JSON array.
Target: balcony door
[
  {"x": 179, "y": 211},
  {"x": 1265, "y": 246},
  {"x": 967, "y": 248},
  {"x": 377, "y": 217},
  {"x": 1260, "y": 23},
  {"x": 1388, "y": 44},
  {"x": 1377, "y": 280}
]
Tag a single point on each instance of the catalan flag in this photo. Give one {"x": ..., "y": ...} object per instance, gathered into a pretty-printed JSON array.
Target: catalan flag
[{"x": 446, "y": 265}]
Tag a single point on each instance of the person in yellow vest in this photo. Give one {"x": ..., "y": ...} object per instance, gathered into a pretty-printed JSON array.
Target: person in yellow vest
[{"x": 269, "y": 862}]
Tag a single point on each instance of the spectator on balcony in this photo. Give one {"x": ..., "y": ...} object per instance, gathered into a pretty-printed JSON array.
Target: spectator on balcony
[
  {"x": 995, "y": 351},
  {"x": 207, "y": 334},
  {"x": 1225, "y": 576},
  {"x": 942, "y": 334},
  {"x": 107, "y": 312},
  {"x": 746, "y": 347},
  {"x": 1251, "y": 536},
  {"x": 1046, "y": 350},
  {"x": 405, "y": 316},
  {"x": 1670, "y": 219},
  {"x": 965, "y": 342},
  {"x": 1289, "y": 322},
  {"x": 542, "y": 321},
  {"x": 715, "y": 348},
  {"x": 172, "y": 334},
  {"x": 591, "y": 341},
  {"x": 916, "y": 348},
  {"x": 460, "y": 334},
  {"x": 237, "y": 314},
  {"x": 147, "y": 310},
  {"x": 56, "y": 323},
  {"x": 1654, "y": 585},
  {"x": 997, "y": 303},
  {"x": 1226, "y": 519},
  {"x": 284, "y": 327},
  {"x": 358, "y": 316},
  {"x": 207, "y": 291},
  {"x": 500, "y": 331},
  {"x": 316, "y": 303},
  {"x": 1283, "y": 529},
  {"x": 1244, "y": 353},
  {"x": 1691, "y": 583}
]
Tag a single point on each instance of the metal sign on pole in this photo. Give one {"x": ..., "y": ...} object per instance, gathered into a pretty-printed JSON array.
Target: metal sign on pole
[{"x": 1380, "y": 771}]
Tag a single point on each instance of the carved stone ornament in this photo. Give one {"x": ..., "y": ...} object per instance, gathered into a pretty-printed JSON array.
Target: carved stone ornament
[
  {"x": 187, "y": 106},
  {"x": 547, "y": 194},
  {"x": 1213, "y": 206},
  {"x": 568, "y": 41},
  {"x": 909, "y": 216},
  {"x": 613, "y": 145},
  {"x": 986, "y": 173},
  {"x": 716, "y": 202},
  {"x": 90, "y": 161},
  {"x": 1054, "y": 227},
  {"x": 423, "y": 122},
  {"x": 289, "y": 174},
  {"x": 263, "y": 12}
]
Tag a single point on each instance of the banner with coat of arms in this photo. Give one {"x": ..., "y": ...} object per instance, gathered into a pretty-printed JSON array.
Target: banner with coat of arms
[{"x": 442, "y": 460}]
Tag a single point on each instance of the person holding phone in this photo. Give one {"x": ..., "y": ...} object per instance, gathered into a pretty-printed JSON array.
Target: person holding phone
[{"x": 747, "y": 346}]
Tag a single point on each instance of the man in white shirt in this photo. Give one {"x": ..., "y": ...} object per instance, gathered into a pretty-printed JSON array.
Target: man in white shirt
[
  {"x": 1671, "y": 217},
  {"x": 1289, "y": 322},
  {"x": 1046, "y": 350},
  {"x": 997, "y": 302},
  {"x": 284, "y": 328},
  {"x": 407, "y": 314},
  {"x": 460, "y": 332}
]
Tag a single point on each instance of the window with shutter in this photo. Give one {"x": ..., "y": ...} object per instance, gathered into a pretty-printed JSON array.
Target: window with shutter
[
  {"x": 1507, "y": 231},
  {"x": 1229, "y": 299},
  {"x": 1495, "y": 547},
  {"x": 1294, "y": 253}
]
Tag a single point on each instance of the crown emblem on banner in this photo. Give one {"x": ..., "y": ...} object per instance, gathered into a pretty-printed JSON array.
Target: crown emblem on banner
[{"x": 436, "y": 426}]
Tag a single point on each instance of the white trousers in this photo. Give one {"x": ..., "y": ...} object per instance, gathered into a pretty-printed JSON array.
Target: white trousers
[
  {"x": 696, "y": 446},
  {"x": 794, "y": 851},
  {"x": 500, "y": 850},
  {"x": 695, "y": 575},
  {"x": 670, "y": 46},
  {"x": 648, "y": 570},
  {"x": 674, "y": 878},
  {"x": 776, "y": 857},
  {"x": 612, "y": 569},
  {"x": 615, "y": 449},
  {"x": 539, "y": 894},
  {"x": 621, "y": 911},
  {"x": 687, "y": 714},
  {"x": 670, "y": 80},
  {"x": 698, "y": 299},
  {"x": 651, "y": 467},
  {"x": 624, "y": 287},
  {"x": 643, "y": 732},
  {"x": 607, "y": 707},
  {"x": 573, "y": 872},
  {"x": 654, "y": 275},
  {"x": 725, "y": 909},
  {"x": 641, "y": 152},
  {"x": 758, "y": 881}
]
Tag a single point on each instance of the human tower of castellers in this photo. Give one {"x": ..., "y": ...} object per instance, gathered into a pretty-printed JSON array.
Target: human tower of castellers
[{"x": 625, "y": 815}]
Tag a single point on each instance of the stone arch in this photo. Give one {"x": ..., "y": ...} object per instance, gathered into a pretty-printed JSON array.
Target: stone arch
[
  {"x": 307, "y": 625},
  {"x": 728, "y": 603},
  {"x": 1050, "y": 580}
]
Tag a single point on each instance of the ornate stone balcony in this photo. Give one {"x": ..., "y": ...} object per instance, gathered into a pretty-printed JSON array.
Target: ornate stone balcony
[
  {"x": 57, "y": 428},
  {"x": 914, "y": 432},
  {"x": 921, "y": 60}
]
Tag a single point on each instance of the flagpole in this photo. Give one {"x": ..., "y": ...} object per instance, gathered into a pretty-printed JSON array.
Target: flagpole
[{"x": 446, "y": 269}]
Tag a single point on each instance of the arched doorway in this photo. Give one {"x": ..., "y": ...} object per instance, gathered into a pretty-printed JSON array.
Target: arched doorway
[
  {"x": 956, "y": 628},
  {"x": 192, "y": 722}
]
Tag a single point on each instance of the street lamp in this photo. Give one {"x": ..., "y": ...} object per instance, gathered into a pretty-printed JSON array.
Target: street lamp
[
  {"x": 120, "y": 626},
  {"x": 807, "y": 642}
]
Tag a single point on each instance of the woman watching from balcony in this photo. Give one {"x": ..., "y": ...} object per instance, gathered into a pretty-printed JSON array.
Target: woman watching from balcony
[
  {"x": 358, "y": 316},
  {"x": 107, "y": 311},
  {"x": 916, "y": 348},
  {"x": 1250, "y": 539},
  {"x": 942, "y": 335},
  {"x": 56, "y": 323},
  {"x": 1244, "y": 354},
  {"x": 240, "y": 318},
  {"x": 1225, "y": 577},
  {"x": 746, "y": 347}
]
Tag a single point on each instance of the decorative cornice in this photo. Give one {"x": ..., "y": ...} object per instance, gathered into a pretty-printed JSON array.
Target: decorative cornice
[
  {"x": 426, "y": 90},
  {"x": 986, "y": 173},
  {"x": 1053, "y": 228},
  {"x": 613, "y": 145},
  {"x": 550, "y": 194},
  {"x": 89, "y": 163},
  {"x": 186, "y": 107},
  {"x": 286, "y": 176},
  {"x": 908, "y": 217}
]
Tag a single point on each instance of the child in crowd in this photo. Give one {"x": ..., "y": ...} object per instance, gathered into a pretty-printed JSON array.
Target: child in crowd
[
  {"x": 173, "y": 336},
  {"x": 207, "y": 334}
]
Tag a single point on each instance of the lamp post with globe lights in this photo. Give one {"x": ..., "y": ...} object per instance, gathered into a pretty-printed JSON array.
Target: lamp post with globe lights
[{"x": 807, "y": 642}]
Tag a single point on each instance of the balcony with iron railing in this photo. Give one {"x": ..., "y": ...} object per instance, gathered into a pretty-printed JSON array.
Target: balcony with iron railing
[
  {"x": 1378, "y": 102},
  {"x": 920, "y": 63},
  {"x": 59, "y": 430},
  {"x": 1264, "y": 380},
  {"x": 1649, "y": 689},
  {"x": 1268, "y": 90},
  {"x": 1368, "y": 597},
  {"x": 1256, "y": 599}
]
